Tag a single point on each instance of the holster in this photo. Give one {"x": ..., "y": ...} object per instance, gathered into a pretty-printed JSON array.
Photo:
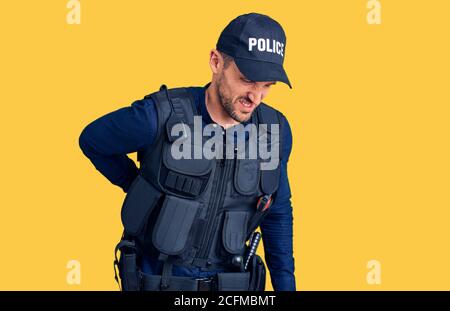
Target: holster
[
  {"x": 129, "y": 273},
  {"x": 257, "y": 271}
]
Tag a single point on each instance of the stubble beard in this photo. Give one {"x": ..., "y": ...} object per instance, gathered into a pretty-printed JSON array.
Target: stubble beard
[{"x": 227, "y": 102}]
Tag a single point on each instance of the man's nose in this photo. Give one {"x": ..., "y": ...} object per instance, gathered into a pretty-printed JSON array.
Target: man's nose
[{"x": 255, "y": 96}]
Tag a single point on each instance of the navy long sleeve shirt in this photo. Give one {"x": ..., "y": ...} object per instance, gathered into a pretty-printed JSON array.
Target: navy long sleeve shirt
[{"x": 107, "y": 141}]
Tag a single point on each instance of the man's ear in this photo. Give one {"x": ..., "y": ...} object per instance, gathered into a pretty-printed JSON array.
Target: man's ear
[{"x": 215, "y": 61}]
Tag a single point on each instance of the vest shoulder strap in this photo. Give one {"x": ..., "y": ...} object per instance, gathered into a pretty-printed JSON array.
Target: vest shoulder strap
[
  {"x": 173, "y": 106},
  {"x": 270, "y": 116},
  {"x": 176, "y": 104}
]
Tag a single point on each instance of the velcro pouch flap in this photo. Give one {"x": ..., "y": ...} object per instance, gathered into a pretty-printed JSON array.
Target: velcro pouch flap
[
  {"x": 174, "y": 225},
  {"x": 191, "y": 165},
  {"x": 234, "y": 231},
  {"x": 246, "y": 177}
]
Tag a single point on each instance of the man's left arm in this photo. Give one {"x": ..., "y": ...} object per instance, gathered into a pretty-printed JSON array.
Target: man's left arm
[{"x": 277, "y": 226}]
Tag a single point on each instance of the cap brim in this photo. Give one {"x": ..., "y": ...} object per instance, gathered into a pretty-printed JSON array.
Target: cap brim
[{"x": 261, "y": 71}]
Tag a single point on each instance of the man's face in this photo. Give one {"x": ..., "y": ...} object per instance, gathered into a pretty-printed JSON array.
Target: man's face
[{"x": 238, "y": 95}]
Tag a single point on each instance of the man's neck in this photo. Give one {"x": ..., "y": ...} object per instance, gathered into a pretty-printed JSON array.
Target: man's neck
[{"x": 215, "y": 109}]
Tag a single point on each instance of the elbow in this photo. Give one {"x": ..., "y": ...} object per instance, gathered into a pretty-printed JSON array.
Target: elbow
[{"x": 83, "y": 140}]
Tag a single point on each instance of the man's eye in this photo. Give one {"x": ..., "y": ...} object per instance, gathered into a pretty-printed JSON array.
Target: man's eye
[{"x": 246, "y": 81}]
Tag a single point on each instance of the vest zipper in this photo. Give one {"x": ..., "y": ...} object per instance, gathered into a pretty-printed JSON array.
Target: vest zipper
[{"x": 217, "y": 195}]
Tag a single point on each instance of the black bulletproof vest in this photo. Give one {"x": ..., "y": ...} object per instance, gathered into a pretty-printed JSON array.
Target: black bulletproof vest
[{"x": 196, "y": 211}]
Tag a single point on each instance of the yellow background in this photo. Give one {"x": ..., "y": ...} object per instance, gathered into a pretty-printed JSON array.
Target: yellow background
[{"x": 369, "y": 170}]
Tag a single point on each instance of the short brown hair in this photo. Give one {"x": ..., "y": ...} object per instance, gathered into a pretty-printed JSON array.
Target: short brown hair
[{"x": 227, "y": 59}]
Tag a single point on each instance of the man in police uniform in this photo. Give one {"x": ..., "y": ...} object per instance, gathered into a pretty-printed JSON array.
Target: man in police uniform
[{"x": 187, "y": 220}]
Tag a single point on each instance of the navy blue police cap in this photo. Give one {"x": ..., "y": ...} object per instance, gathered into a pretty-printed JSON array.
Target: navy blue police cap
[{"x": 257, "y": 44}]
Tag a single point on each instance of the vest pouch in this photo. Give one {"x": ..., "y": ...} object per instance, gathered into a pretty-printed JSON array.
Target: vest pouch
[
  {"x": 234, "y": 231},
  {"x": 138, "y": 204},
  {"x": 191, "y": 165},
  {"x": 246, "y": 177},
  {"x": 184, "y": 177},
  {"x": 173, "y": 229}
]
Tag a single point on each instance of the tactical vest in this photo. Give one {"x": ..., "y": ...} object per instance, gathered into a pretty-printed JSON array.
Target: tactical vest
[{"x": 196, "y": 212}]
